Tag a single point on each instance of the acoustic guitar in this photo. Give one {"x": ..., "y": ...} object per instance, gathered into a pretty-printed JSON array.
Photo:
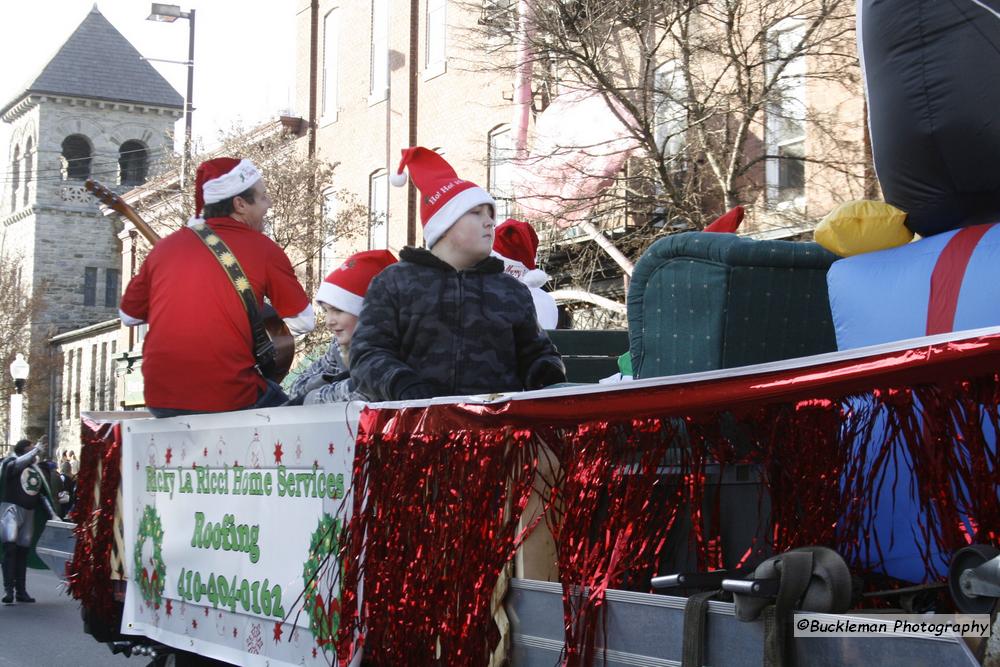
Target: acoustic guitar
[{"x": 277, "y": 330}]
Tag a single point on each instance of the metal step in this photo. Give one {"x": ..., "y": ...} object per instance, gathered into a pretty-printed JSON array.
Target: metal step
[
  {"x": 647, "y": 630},
  {"x": 55, "y": 545}
]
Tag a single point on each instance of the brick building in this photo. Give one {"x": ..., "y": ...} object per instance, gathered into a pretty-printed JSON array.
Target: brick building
[{"x": 374, "y": 77}]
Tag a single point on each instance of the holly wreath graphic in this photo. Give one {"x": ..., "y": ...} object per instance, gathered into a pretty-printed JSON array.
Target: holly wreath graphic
[
  {"x": 324, "y": 615},
  {"x": 150, "y": 582}
]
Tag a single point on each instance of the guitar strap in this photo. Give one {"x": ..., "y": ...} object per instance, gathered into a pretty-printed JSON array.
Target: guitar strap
[{"x": 263, "y": 349}]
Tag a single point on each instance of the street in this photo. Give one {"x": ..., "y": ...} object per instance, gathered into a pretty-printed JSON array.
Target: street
[{"x": 50, "y": 632}]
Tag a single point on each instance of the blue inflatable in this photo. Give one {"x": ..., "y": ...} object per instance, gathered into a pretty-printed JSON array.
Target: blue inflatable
[{"x": 908, "y": 292}]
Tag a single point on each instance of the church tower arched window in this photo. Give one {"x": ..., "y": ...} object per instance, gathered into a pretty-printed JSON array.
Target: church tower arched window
[
  {"x": 76, "y": 156},
  {"x": 133, "y": 163},
  {"x": 15, "y": 178},
  {"x": 29, "y": 158}
]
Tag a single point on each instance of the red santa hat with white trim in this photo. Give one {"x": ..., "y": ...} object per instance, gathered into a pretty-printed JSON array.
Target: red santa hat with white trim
[
  {"x": 346, "y": 285},
  {"x": 221, "y": 178},
  {"x": 516, "y": 243},
  {"x": 444, "y": 197}
]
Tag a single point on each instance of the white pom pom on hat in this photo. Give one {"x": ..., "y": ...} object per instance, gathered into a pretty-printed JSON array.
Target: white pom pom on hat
[{"x": 398, "y": 179}]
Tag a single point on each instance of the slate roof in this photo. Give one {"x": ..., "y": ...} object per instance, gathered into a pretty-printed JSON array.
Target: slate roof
[{"x": 97, "y": 62}]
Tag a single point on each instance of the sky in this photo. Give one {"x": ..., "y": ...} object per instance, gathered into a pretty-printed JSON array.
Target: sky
[{"x": 259, "y": 34}]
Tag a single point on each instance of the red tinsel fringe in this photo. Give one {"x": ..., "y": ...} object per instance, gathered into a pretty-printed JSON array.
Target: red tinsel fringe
[
  {"x": 89, "y": 571},
  {"x": 435, "y": 520},
  {"x": 429, "y": 547}
]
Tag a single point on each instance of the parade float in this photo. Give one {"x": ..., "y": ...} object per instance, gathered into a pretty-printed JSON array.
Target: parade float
[{"x": 804, "y": 432}]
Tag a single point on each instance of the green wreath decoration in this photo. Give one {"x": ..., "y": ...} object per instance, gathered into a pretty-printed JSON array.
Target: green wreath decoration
[
  {"x": 150, "y": 584},
  {"x": 324, "y": 616}
]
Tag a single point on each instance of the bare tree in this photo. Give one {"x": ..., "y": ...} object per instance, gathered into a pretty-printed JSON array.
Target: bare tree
[
  {"x": 19, "y": 307},
  {"x": 715, "y": 98}
]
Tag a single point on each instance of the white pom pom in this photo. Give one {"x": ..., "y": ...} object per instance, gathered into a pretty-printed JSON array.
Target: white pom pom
[
  {"x": 398, "y": 179},
  {"x": 535, "y": 278}
]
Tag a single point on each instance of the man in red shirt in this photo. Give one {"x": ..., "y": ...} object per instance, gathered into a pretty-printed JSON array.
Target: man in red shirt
[{"x": 198, "y": 353}]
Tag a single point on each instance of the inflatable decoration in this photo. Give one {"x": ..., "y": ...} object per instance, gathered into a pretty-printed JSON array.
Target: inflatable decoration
[
  {"x": 728, "y": 222},
  {"x": 945, "y": 283},
  {"x": 930, "y": 70},
  {"x": 929, "y": 67},
  {"x": 862, "y": 226}
]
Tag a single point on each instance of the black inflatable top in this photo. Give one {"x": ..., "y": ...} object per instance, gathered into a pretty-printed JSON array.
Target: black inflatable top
[{"x": 932, "y": 79}]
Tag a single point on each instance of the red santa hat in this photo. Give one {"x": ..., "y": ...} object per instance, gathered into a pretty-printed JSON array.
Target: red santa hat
[
  {"x": 346, "y": 285},
  {"x": 222, "y": 178},
  {"x": 444, "y": 197},
  {"x": 516, "y": 243}
]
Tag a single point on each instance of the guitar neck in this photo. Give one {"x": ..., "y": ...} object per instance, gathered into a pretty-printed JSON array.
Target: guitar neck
[
  {"x": 142, "y": 227},
  {"x": 117, "y": 204}
]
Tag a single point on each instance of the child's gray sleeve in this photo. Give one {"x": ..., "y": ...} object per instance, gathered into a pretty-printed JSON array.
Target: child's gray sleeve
[
  {"x": 330, "y": 363},
  {"x": 339, "y": 391},
  {"x": 376, "y": 367}
]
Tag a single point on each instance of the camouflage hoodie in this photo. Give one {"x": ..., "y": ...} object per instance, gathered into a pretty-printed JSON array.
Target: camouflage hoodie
[{"x": 449, "y": 332}]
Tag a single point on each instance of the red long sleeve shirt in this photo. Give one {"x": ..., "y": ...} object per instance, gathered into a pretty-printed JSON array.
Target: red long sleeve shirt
[{"x": 198, "y": 352}]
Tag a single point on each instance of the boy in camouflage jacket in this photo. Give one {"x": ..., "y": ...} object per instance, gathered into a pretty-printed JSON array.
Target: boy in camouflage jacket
[{"x": 448, "y": 321}]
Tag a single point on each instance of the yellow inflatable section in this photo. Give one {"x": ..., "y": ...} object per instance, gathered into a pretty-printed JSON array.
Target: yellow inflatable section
[{"x": 862, "y": 226}]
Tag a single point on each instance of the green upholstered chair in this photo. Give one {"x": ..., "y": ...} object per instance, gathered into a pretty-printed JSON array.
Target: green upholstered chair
[{"x": 702, "y": 301}]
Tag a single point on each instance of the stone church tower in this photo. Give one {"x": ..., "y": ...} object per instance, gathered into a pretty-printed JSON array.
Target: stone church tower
[{"x": 96, "y": 110}]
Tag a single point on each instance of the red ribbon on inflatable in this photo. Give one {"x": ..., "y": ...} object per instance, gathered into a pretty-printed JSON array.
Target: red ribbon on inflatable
[{"x": 947, "y": 278}]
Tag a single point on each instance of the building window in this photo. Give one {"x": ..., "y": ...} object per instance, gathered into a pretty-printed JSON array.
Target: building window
[
  {"x": 378, "y": 210},
  {"x": 77, "y": 383},
  {"x": 15, "y": 178},
  {"x": 103, "y": 396},
  {"x": 92, "y": 403},
  {"x": 379, "y": 51},
  {"x": 111, "y": 277},
  {"x": 112, "y": 389},
  {"x": 331, "y": 44},
  {"x": 500, "y": 166},
  {"x": 331, "y": 209},
  {"x": 786, "y": 113},
  {"x": 435, "y": 56},
  {"x": 29, "y": 157},
  {"x": 68, "y": 386},
  {"x": 76, "y": 158},
  {"x": 670, "y": 115},
  {"x": 133, "y": 163},
  {"x": 59, "y": 391},
  {"x": 90, "y": 286}
]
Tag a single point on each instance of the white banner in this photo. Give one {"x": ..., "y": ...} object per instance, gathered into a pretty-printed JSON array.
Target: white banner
[{"x": 228, "y": 518}]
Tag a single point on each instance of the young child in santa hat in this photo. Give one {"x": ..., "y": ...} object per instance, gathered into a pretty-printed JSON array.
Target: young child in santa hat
[
  {"x": 516, "y": 243},
  {"x": 327, "y": 380},
  {"x": 448, "y": 321}
]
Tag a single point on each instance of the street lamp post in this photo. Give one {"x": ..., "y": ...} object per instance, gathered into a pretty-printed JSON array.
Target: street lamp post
[
  {"x": 168, "y": 14},
  {"x": 19, "y": 371}
]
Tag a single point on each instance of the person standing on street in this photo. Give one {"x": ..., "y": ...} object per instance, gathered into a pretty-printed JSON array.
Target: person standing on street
[{"x": 25, "y": 505}]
